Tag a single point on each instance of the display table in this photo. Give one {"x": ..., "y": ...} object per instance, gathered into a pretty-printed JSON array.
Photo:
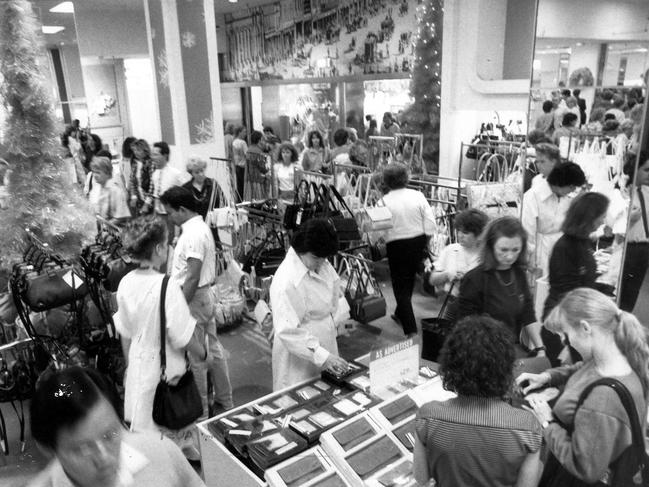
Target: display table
[{"x": 314, "y": 409}]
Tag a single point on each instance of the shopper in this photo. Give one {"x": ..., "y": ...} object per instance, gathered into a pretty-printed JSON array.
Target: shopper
[
  {"x": 544, "y": 209},
  {"x": 228, "y": 139},
  {"x": 340, "y": 153},
  {"x": 125, "y": 163},
  {"x": 110, "y": 201},
  {"x": 544, "y": 122},
  {"x": 546, "y": 157},
  {"x": 140, "y": 188},
  {"x": 569, "y": 128},
  {"x": 456, "y": 259},
  {"x": 194, "y": 268},
  {"x": 239, "y": 149},
  {"x": 316, "y": 157},
  {"x": 636, "y": 259},
  {"x": 498, "y": 286},
  {"x": 477, "y": 439},
  {"x": 412, "y": 223},
  {"x": 257, "y": 186},
  {"x": 586, "y": 442},
  {"x": 201, "y": 186},
  {"x": 572, "y": 264},
  {"x": 389, "y": 126},
  {"x": 75, "y": 419},
  {"x": 284, "y": 171},
  {"x": 305, "y": 296},
  {"x": 372, "y": 130},
  {"x": 164, "y": 177}
]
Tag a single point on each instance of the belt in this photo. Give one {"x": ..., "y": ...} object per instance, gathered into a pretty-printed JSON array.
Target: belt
[{"x": 204, "y": 286}]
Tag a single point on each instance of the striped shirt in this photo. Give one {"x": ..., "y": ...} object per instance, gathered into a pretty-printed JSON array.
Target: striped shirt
[{"x": 473, "y": 441}]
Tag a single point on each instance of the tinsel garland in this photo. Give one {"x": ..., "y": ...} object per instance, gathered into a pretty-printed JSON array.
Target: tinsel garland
[
  {"x": 40, "y": 196},
  {"x": 423, "y": 116}
]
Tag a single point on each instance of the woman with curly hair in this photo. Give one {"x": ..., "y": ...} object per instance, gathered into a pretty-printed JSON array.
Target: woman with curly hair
[
  {"x": 137, "y": 321},
  {"x": 477, "y": 439}
]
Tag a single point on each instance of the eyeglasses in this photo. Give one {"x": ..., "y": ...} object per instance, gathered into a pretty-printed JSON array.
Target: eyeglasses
[{"x": 106, "y": 442}]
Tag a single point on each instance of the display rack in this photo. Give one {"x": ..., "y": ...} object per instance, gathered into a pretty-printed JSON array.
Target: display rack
[{"x": 495, "y": 159}]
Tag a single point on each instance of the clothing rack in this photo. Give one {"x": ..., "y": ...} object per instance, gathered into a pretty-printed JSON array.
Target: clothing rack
[
  {"x": 495, "y": 159},
  {"x": 223, "y": 173}
]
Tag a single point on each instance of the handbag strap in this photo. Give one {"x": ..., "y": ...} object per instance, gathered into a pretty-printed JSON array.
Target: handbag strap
[
  {"x": 340, "y": 199},
  {"x": 163, "y": 328},
  {"x": 623, "y": 393},
  {"x": 442, "y": 310}
]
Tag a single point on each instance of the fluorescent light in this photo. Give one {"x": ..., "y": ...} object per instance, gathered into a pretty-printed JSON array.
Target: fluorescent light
[
  {"x": 233, "y": 1},
  {"x": 63, "y": 8},
  {"x": 52, "y": 29}
]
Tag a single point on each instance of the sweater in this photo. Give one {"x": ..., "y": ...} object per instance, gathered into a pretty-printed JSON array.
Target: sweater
[
  {"x": 412, "y": 216},
  {"x": 601, "y": 430}
]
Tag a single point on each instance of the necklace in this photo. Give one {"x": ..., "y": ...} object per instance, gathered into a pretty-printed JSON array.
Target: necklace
[{"x": 511, "y": 282}]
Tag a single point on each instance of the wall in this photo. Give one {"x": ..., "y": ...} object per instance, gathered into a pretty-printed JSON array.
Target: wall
[
  {"x": 111, "y": 32},
  {"x": 467, "y": 99},
  {"x": 519, "y": 36},
  {"x": 593, "y": 19}
]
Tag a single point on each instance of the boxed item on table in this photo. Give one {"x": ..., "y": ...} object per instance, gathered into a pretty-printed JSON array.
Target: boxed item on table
[
  {"x": 405, "y": 433},
  {"x": 324, "y": 413},
  {"x": 279, "y": 404},
  {"x": 240, "y": 437},
  {"x": 275, "y": 447},
  {"x": 397, "y": 410},
  {"x": 344, "y": 437},
  {"x": 241, "y": 419},
  {"x": 344, "y": 378},
  {"x": 309, "y": 469}
]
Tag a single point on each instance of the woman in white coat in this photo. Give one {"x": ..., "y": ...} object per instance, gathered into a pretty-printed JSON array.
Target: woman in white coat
[
  {"x": 137, "y": 321},
  {"x": 304, "y": 297}
]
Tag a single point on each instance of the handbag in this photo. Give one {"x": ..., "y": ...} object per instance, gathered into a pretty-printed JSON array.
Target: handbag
[
  {"x": 377, "y": 217},
  {"x": 435, "y": 330},
  {"x": 630, "y": 469},
  {"x": 346, "y": 226},
  {"x": 495, "y": 199},
  {"x": 174, "y": 406},
  {"x": 364, "y": 306},
  {"x": 52, "y": 288}
]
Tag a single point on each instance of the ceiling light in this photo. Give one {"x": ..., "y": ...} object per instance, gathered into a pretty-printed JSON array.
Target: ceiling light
[
  {"x": 52, "y": 29},
  {"x": 233, "y": 1},
  {"x": 63, "y": 8}
]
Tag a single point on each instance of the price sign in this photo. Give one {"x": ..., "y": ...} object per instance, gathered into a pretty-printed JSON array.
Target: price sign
[{"x": 393, "y": 364}]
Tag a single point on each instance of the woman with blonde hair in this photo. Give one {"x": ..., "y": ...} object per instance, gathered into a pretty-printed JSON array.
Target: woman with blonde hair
[{"x": 585, "y": 442}]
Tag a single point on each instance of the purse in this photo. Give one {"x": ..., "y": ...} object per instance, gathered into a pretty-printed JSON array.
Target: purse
[
  {"x": 52, "y": 288},
  {"x": 631, "y": 469},
  {"x": 435, "y": 330},
  {"x": 363, "y": 306},
  {"x": 174, "y": 406},
  {"x": 375, "y": 218},
  {"x": 346, "y": 226}
]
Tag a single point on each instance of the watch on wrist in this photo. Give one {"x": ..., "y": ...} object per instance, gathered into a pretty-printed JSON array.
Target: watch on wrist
[{"x": 546, "y": 423}]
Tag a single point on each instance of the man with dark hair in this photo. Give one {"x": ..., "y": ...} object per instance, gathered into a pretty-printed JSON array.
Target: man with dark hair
[
  {"x": 194, "y": 267},
  {"x": 164, "y": 177}
]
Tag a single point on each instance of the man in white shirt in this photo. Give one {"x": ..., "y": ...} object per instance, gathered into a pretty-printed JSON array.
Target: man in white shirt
[
  {"x": 194, "y": 266},
  {"x": 164, "y": 177}
]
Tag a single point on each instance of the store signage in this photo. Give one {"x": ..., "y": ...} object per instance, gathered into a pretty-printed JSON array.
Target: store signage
[{"x": 394, "y": 364}]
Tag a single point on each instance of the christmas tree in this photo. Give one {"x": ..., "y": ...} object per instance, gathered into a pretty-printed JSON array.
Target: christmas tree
[
  {"x": 40, "y": 197},
  {"x": 423, "y": 116}
]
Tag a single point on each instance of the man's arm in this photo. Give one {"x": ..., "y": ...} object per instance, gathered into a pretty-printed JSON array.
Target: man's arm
[{"x": 190, "y": 285}]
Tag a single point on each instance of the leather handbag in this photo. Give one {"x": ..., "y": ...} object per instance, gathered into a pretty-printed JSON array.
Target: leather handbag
[
  {"x": 346, "y": 226},
  {"x": 435, "y": 330},
  {"x": 52, "y": 288},
  {"x": 631, "y": 469},
  {"x": 364, "y": 306},
  {"x": 114, "y": 270},
  {"x": 377, "y": 217},
  {"x": 174, "y": 406}
]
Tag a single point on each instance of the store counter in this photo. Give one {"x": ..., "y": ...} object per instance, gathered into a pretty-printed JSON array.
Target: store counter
[{"x": 318, "y": 432}]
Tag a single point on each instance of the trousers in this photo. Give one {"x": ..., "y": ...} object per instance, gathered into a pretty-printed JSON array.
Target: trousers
[
  {"x": 636, "y": 261},
  {"x": 202, "y": 308},
  {"x": 404, "y": 258}
]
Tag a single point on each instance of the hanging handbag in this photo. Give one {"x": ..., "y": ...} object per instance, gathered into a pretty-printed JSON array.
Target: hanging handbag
[
  {"x": 364, "y": 306},
  {"x": 435, "y": 330},
  {"x": 174, "y": 406},
  {"x": 630, "y": 469},
  {"x": 53, "y": 287},
  {"x": 377, "y": 217},
  {"x": 345, "y": 225}
]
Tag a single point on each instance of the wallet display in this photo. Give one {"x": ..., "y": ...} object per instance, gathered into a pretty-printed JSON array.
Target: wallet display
[
  {"x": 399, "y": 409},
  {"x": 242, "y": 419},
  {"x": 343, "y": 378},
  {"x": 275, "y": 447},
  {"x": 399, "y": 476},
  {"x": 374, "y": 457},
  {"x": 333, "y": 480},
  {"x": 301, "y": 471},
  {"x": 354, "y": 433},
  {"x": 406, "y": 434}
]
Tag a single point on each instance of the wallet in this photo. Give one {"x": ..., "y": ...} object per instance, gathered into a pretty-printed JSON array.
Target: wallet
[
  {"x": 399, "y": 409},
  {"x": 406, "y": 434},
  {"x": 374, "y": 457},
  {"x": 354, "y": 434},
  {"x": 301, "y": 471}
]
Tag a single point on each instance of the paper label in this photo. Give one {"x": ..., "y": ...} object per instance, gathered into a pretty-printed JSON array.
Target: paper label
[
  {"x": 393, "y": 364},
  {"x": 71, "y": 278}
]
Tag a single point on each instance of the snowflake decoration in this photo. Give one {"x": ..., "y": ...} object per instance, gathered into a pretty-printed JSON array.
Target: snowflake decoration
[
  {"x": 163, "y": 68},
  {"x": 188, "y": 39},
  {"x": 205, "y": 131}
]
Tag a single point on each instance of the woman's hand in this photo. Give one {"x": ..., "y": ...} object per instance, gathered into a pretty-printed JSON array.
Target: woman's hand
[
  {"x": 541, "y": 409},
  {"x": 335, "y": 364},
  {"x": 528, "y": 382}
]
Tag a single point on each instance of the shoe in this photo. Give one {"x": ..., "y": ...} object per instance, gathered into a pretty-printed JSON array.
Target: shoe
[{"x": 395, "y": 318}]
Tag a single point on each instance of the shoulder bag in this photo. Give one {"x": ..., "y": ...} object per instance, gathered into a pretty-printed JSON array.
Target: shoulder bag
[
  {"x": 630, "y": 469},
  {"x": 435, "y": 330},
  {"x": 364, "y": 305},
  {"x": 174, "y": 406},
  {"x": 345, "y": 225}
]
